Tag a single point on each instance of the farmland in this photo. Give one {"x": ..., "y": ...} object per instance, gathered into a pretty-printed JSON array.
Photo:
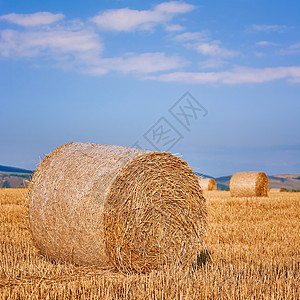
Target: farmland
[{"x": 254, "y": 248}]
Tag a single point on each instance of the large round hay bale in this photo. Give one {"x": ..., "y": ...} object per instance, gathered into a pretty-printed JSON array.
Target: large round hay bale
[
  {"x": 276, "y": 190},
  {"x": 115, "y": 206},
  {"x": 249, "y": 184},
  {"x": 208, "y": 184}
]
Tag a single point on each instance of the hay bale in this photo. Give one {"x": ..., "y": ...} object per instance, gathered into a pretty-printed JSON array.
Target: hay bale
[
  {"x": 276, "y": 190},
  {"x": 115, "y": 206},
  {"x": 208, "y": 184},
  {"x": 249, "y": 184}
]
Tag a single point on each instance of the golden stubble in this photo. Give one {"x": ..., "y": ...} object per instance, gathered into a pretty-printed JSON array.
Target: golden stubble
[{"x": 253, "y": 243}]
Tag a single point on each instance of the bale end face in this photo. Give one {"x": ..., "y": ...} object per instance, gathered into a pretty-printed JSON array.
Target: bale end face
[{"x": 155, "y": 214}]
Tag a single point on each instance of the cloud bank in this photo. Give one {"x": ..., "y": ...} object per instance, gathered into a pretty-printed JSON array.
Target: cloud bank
[{"x": 80, "y": 46}]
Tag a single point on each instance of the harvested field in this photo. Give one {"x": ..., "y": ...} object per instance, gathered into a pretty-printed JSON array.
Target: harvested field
[{"x": 254, "y": 244}]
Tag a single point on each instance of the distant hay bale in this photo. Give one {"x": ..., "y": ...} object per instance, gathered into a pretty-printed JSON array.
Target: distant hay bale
[
  {"x": 249, "y": 184},
  {"x": 208, "y": 184},
  {"x": 115, "y": 206},
  {"x": 276, "y": 190}
]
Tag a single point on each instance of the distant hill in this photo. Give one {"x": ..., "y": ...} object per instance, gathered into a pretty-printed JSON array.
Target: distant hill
[
  {"x": 222, "y": 182},
  {"x": 203, "y": 175},
  {"x": 14, "y": 170},
  {"x": 285, "y": 181},
  {"x": 14, "y": 177}
]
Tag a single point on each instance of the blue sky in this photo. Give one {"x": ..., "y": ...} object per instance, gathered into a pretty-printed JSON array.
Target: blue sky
[{"x": 107, "y": 71}]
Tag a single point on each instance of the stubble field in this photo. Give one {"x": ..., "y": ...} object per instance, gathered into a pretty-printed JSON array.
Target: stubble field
[{"x": 254, "y": 245}]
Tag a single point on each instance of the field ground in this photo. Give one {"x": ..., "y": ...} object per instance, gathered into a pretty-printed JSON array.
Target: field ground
[{"x": 254, "y": 245}]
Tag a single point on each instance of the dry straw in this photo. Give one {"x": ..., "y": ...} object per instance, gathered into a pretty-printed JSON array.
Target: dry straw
[
  {"x": 276, "y": 190},
  {"x": 249, "y": 184},
  {"x": 208, "y": 184},
  {"x": 115, "y": 206}
]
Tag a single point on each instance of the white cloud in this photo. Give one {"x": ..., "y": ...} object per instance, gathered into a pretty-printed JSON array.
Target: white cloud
[
  {"x": 190, "y": 36},
  {"x": 174, "y": 27},
  {"x": 239, "y": 75},
  {"x": 186, "y": 77},
  {"x": 256, "y": 75},
  {"x": 81, "y": 50},
  {"x": 71, "y": 45},
  {"x": 126, "y": 19},
  {"x": 213, "y": 49},
  {"x": 200, "y": 42},
  {"x": 295, "y": 46},
  {"x": 144, "y": 63},
  {"x": 212, "y": 63},
  {"x": 269, "y": 28},
  {"x": 36, "y": 19},
  {"x": 259, "y": 54},
  {"x": 174, "y": 7},
  {"x": 266, "y": 43},
  {"x": 293, "y": 49},
  {"x": 55, "y": 43},
  {"x": 77, "y": 45}
]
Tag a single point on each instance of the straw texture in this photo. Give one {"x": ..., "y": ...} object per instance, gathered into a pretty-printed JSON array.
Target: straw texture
[
  {"x": 208, "y": 184},
  {"x": 249, "y": 184},
  {"x": 115, "y": 206}
]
